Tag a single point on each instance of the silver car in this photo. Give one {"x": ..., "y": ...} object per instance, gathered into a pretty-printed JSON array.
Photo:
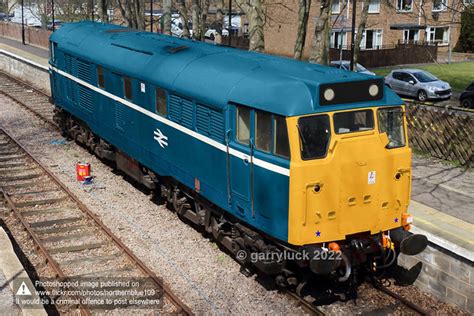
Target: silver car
[
  {"x": 346, "y": 65},
  {"x": 417, "y": 83}
]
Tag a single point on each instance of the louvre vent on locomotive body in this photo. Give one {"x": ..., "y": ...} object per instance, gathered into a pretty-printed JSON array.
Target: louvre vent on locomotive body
[{"x": 268, "y": 155}]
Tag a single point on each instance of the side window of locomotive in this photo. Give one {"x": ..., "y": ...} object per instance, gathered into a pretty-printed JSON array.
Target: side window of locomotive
[
  {"x": 353, "y": 121},
  {"x": 160, "y": 99},
  {"x": 315, "y": 134},
  {"x": 243, "y": 125},
  {"x": 127, "y": 88},
  {"x": 263, "y": 131},
  {"x": 100, "y": 77},
  {"x": 281, "y": 146}
]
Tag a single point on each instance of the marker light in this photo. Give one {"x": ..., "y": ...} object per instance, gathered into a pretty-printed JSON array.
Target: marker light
[
  {"x": 373, "y": 90},
  {"x": 329, "y": 94}
]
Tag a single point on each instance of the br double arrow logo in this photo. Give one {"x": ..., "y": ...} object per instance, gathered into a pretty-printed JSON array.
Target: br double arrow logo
[{"x": 160, "y": 138}]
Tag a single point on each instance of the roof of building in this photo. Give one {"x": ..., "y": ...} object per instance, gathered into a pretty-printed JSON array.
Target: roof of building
[{"x": 212, "y": 74}]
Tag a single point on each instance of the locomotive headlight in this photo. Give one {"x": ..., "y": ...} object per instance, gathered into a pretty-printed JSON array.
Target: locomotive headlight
[
  {"x": 373, "y": 90},
  {"x": 329, "y": 94}
]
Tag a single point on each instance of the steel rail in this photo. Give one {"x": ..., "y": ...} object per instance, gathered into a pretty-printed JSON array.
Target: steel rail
[
  {"x": 400, "y": 298},
  {"x": 175, "y": 300},
  {"x": 314, "y": 310},
  {"x": 23, "y": 104}
]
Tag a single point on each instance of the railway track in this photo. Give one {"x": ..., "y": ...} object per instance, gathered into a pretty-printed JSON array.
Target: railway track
[
  {"x": 31, "y": 98},
  {"x": 71, "y": 239},
  {"x": 400, "y": 299}
]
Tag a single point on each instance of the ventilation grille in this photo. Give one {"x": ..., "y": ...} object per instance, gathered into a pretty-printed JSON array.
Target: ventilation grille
[
  {"x": 84, "y": 71},
  {"x": 85, "y": 99},
  {"x": 187, "y": 113},
  {"x": 210, "y": 122},
  {"x": 70, "y": 64},
  {"x": 120, "y": 116},
  {"x": 175, "y": 108}
]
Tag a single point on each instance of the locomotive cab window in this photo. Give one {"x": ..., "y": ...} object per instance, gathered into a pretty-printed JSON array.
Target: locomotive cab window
[
  {"x": 391, "y": 122},
  {"x": 315, "y": 134},
  {"x": 263, "y": 131},
  {"x": 160, "y": 99},
  {"x": 127, "y": 88},
  {"x": 281, "y": 146},
  {"x": 100, "y": 77},
  {"x": 243, "y": 125},
  {"x": 353, "y": 121}
]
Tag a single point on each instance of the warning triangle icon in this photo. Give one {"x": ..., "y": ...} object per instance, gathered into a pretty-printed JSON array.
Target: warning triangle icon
[{"x": 23, "y": 289}]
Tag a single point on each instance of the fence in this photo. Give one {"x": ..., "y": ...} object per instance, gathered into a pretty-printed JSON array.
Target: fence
[
  {"x": 399, "y": 54},
  {"x": 33, "y": 36},
  {"x": 441, "y": 132}
]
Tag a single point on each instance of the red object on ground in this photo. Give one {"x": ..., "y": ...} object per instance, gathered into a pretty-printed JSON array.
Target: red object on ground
[{"x": 83, "y": 170}]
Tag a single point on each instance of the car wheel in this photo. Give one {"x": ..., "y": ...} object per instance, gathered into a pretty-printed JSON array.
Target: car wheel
[
  {"x": 466, "y": 103},
  {"x": 422, "y": 96},
  {"x": 212, "y": 37}
]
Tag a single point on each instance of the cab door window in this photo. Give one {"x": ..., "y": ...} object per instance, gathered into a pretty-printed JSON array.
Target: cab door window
[
  {"x": 243, "y": 125},
  {"x": 281, "y": 146}
]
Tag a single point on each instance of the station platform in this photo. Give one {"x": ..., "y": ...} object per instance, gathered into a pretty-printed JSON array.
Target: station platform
[{"x": 33, "y": 53}]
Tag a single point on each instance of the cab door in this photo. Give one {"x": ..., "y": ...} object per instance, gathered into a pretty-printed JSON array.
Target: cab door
[{"x": 241, "y": 161}]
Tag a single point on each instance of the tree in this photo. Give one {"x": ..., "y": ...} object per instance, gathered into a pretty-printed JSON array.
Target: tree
[
  {"x": 253, "y": 9},
  {"x": 303, "y": 14},
  {"x": 320, "y": 47},
  {"x": 219, "y": 21},
  {"x": 104, "y": 17},
  {"x": 196, "y": 16},
  {"x": 183, "y": 11},
  {"x": 166, "y": 17},
  {"x": 133, "y": 11},
  {"x": 466, "y": 37},
  {"x": 360, "y": 30}
]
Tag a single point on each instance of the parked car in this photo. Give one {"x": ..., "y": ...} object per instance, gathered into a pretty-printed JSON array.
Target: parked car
[
  {"x": 57, "y": 25},
  {"x": 467, "y": 97},
  {"x": 3, "y": 16},
  {"x": 346, "y": 65},
  {"x": 417, "y": 83},
  {"x": 211, "y": 33}
]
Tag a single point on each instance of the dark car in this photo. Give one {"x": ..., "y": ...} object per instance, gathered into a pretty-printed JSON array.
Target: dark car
[
  {"x": 3, "y": 17},
  {"x": 467, "y": 97}
]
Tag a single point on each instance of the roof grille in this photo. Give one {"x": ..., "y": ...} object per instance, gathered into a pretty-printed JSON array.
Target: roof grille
[
  {"x": 175, "y": 49},
  {"x": 132, "y": 49}
]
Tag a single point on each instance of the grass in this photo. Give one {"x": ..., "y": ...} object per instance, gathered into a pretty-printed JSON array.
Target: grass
[{"x": 459, "y": 75}]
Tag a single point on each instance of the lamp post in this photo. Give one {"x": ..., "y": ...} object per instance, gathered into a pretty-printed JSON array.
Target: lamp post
[
  {"x": 230, "y": 22},
  {"x": 354, "y": 7},
  {"x": 23, "y": 22},
  {"x": 52, "y": 13},
  {"x": 151, "y": 16}
]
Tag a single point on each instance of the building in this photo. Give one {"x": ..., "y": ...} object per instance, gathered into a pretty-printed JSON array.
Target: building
[{"x": 389, "y": 22}]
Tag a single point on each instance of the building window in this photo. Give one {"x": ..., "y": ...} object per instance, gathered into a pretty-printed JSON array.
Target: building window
[
  {"x": 404, "y": 5},
  {"x": 336, "y": 7},
  {"x": 243, "y": 125},
  {"x": 127, "y": 88},
  {"x": 438, "y": 35},
  {"x": 411, "y": 36},
  {"x": 160, "y": 100},
  {"x": 371, "y": 39},
  {"x": 100, "y": 77},
  {"x": 338, "y": 38},
  {"x": 374, "y": 6},
  {"x": 440, "y": 5}
]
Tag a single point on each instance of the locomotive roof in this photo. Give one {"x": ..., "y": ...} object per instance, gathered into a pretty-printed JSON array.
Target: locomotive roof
[{"x": 212, "y": 74}]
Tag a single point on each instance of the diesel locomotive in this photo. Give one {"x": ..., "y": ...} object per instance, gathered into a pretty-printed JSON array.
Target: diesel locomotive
[{"x": 266, "y": 155}]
